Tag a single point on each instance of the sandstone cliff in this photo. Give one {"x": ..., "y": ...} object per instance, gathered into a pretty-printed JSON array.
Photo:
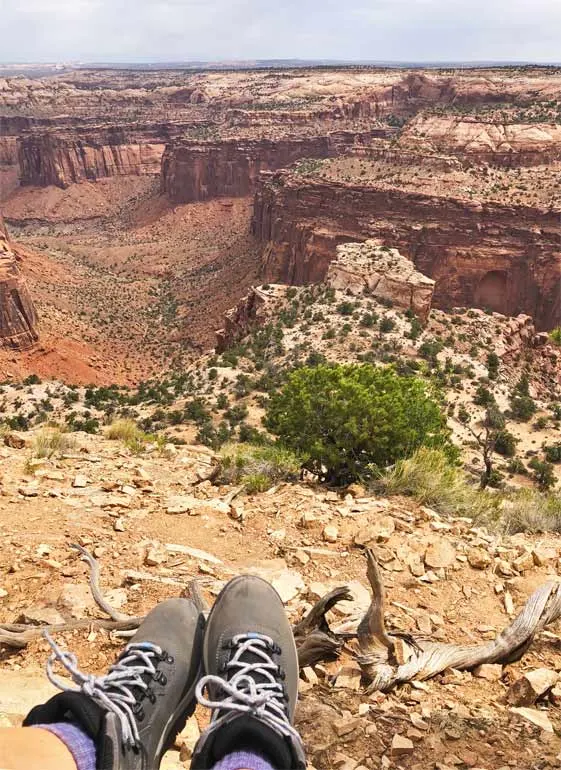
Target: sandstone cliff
[
  {"x": 249, "y": 311},
  {"x": 504, "y": 144},
  {"x": 18, "y": 319},
  {"x": 198, "y": 171},
  {"x": 505, "y": 258},
  {"x": 382, "y": 272},
  {"x": 61, "y": 158}
]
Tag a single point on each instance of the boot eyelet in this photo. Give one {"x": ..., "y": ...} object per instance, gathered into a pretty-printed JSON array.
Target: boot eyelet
[
  {"x": 163, "y": 680},
  {"x": 170, "y": 659}
]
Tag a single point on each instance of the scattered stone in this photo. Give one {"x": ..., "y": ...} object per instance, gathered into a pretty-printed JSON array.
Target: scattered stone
[
  {"x": 288, "y": 585},
  {"x": 378, "y": 532},
  {"x": 80, "y": 482},
  {"x": 440, "y": 554},
  {"x": 345, "y": 726},
  {"x": 119, "y": 524},
  {"x": 17, "y": 440},
  {"x": 155, "y": 555},
  {"x": 542, "y": 555},
  {"x": 42, "y": 616},
  {"x": 492, "y": 672},
  {"x": 509, "y": 604},
  {"x": 195, "y": 553},
  {"x": 401, "y": 746},
  {"x": 349, "y": 678},
  {"x": 29, "y": 491},
  {"x": 524, "y": 562},
  {"x": 479, "y": 558},
  {"x": 418, "y": 722},
  {"x": 538, "y": 718},
  {"x": 309, "y": 675},
  {"x": 416, "y": 566},
  {"x": 77, "y": 599},
  {"x": 330, "y": 533},
  {"x": 302, "y": 557},
  {"x": 532, "y": 686}
]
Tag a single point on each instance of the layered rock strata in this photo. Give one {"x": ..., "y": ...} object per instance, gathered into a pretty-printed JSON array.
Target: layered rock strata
[
  {"x": 493, "y": 142},
  {"x": 198, "y": 171},
  {"x": 384, "y": 273},
  {"x": 503, "y": 258},
  {"x": 83, "y": 154},
  {"x": 18, "y": 318}
]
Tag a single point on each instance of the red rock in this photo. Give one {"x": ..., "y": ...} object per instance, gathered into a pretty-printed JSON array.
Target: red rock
[{"x": 18, "y": 318}]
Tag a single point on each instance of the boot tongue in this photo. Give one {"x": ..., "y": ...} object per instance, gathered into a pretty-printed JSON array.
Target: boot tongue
[
  {"x": 251, "y": 734},
  {"x": 72, "y": 707}
]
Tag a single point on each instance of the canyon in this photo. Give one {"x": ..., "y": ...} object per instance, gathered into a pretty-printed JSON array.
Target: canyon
[{"x": 121, "y": 179}]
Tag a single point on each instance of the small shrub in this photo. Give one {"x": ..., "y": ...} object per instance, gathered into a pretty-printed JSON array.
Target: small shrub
[
  {"x": 505, "y": 443},
  {"x": 52, "y": 442},
  {"x": 522, "y": 408},
  {"x": 431, "y": 479},
  {"x": 553, "y": 452},
  {"x": 544, "y": 475},
  {"x": 344, "y": 419},
  {"x": 258, "y": 467},
  {"x": 123, "y": 430},
  {"x": 386, "y": 325},
  {"x": 531, "y": 511}
]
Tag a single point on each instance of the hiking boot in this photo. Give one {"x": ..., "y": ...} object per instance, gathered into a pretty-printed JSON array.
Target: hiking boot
[
  {"x": 134, "y": 712},
  {"x": 251, "y": 664}
]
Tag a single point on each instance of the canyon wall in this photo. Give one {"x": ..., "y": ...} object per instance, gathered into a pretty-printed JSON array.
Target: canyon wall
[
  {"x": 198, "y": 171},
  {"x": 488, "y": 141},
  {"x": 507, "y": 259},
  {"x": 18, "y": 319},
  {"x": 63, "y": 157}
]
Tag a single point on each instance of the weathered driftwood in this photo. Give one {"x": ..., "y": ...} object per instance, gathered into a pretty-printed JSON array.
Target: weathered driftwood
[
  {"x": 384, "y": 662},
  {"x": 424, "y": 659}
]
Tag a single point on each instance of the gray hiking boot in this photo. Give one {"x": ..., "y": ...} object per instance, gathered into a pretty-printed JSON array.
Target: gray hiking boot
[
  {"x": 252, "y": 678},
  {"x": 134, "y": 712}
]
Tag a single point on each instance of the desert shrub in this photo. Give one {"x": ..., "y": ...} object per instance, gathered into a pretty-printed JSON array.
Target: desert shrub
[
  {"x": 493, "y": 362},
  {"x": 345, "y": 308},
  {"x": 257, "y": 467},
  {"x": 51, "y": 442},
  {"x": 541, "y": 423},
  {"x": 517, "y": 466},
  {"x": 386, "y": 325},
  {"x": 346, "y": 420},
  {"x": 555, "y": 335},
  {"x": 530, "y": 511},
  {"x": 505, "y": 443},
  {"x": 430, "y": 477},
  {"x": 483, "y": 396},
  {"x": 122, "y": 430},
  {"x": 543, "y": 475},
  {"x": 522, "y": 408},
  {"x": 553, "y": 452}
]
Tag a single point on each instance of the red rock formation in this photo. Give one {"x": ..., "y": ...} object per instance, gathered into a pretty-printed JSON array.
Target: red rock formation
[
  {"x": 506, "y": 258},
  {"x": 249, "y": 311},
  {"x": 490, "y": 141},
  {"x": 197, "y": 171},
  {"x": 85, "y": 154},
  {"x": 18, "y": 319},
  {"x": 384, "y": 273}
]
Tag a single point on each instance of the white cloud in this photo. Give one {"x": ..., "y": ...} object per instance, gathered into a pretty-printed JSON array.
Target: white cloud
[{"x": 410, "y": 30}]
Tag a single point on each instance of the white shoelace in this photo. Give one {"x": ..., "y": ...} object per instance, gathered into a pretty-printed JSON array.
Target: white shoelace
[
  {"x": 264, "y": 699},
  {"x": 113, "y": 690}
]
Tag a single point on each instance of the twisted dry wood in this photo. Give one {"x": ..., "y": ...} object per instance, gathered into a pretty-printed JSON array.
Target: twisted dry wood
[
  {"x": 18, "y": 635},
  {"x": 424, "y": 659},
  {"x": 315, "y": 641}
]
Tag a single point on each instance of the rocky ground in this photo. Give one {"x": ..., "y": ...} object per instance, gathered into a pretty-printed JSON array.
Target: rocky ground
[{"x": 153, "y": 526}]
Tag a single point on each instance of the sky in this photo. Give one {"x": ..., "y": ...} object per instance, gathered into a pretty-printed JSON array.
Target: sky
[{"x": 372, "y": 30}]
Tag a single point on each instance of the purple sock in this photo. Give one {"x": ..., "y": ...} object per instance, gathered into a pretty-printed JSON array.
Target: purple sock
[
  {"x": 242, "y": 760},
  {"x": 77, "y": 742}
]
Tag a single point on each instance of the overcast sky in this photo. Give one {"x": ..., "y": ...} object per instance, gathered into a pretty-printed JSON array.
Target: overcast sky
[{"x": 182, "y": 30}]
